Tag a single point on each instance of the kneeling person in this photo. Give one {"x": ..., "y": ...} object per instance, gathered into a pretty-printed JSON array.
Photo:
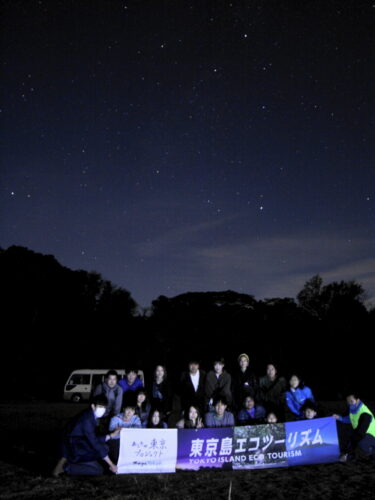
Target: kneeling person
[
  {"x": 82, "y": 448},
  {"x": 362, "y": 436}
]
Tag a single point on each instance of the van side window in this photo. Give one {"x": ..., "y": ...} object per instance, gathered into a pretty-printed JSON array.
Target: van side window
[
  {"x": 97, "y": 379},
  {"x": 80, "y": 379}
]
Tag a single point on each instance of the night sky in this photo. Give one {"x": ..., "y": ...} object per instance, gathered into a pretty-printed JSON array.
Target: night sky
[{"x": 180, "y": 146}]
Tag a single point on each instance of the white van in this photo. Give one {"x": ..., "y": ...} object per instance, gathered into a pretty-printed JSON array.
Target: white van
[{"x": 81, "y": 383}]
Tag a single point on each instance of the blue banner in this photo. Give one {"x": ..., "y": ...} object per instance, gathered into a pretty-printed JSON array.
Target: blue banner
[
  {"x": 250, "y": 447},
  {"x": 205, "y": 448},
  {"x": 312, "y": 441}
]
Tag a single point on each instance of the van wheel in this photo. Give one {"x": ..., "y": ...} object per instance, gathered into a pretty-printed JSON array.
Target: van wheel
[{"x": 76, "y": 398}]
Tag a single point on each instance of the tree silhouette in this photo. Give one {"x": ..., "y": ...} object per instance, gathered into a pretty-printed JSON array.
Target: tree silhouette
[
  {"x": 310, "y": 297},
  {"x": 337, "y": 300}
]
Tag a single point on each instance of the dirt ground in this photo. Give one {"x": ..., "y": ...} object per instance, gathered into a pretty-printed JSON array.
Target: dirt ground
[{"x": 29, "y": 436}]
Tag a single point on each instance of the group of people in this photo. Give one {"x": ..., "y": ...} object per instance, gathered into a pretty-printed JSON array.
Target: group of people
[
  {"x": 250, "y": 399},
  {"x": 213, "y": 399}
]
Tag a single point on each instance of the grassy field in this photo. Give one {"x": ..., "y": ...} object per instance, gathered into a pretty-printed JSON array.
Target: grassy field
[{"x": 29, "y": 437}]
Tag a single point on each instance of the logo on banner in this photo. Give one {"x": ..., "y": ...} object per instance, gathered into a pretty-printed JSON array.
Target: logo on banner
[
  {"x": 260, "y": 446},
  {"x": 147, "y": 450},
  {"x": 205, "y": 448}
]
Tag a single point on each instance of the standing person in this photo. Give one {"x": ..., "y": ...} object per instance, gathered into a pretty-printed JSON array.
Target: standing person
[
  {"x": 220, "y": 417},
  {"x": 296, "y": 396},
  {"x": 218, "y": 383},
  {"x": 192, "y": 385},
  {"x": 251, "y": 413},
  {"x": 161, "y": 396},
  {"x": 113, "y": 392},
  {"x": 362, "y": 432},
  {"x": 156, "y": 420},
  {"x": 192, "y": 419},
  {"x": 272, "y": 388},
  {"x": 130, "y": 384},
  {"x": 244, "y": 381},
  {"x": 82, "y": 448},
  {"x": 143, "y": 407}
]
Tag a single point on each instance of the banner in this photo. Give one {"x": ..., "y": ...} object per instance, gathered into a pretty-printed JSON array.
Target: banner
[
  {"x": 205, "y": 448},
  {"x": 259, "y": 446},
  {"x": 147, "y": 450},
  {"x": 251, "y": 447},
  {"x": 279, "y": 445},
  {"x": 312, "y": 441}
]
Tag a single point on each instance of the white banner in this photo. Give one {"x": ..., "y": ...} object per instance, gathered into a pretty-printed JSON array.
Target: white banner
[{"x": 147, "y": 450}]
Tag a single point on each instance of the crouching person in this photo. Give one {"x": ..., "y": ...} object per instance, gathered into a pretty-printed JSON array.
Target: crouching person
[
  {"x": 362, "y": 430},
  {"x": 82, "y": 449}
]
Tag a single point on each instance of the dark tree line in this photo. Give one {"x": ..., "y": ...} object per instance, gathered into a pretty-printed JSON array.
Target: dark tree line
[{"x": 55, "y": 320}]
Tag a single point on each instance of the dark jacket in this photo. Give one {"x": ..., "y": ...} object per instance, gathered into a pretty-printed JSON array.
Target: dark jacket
[
  {"x": 143, "y": 413},
  {"x": 161, "y": 396},
  {"x": 252, "y": 417},
  {"x": 272, "y": 393},
  {"x": 218, "y": 386},
  {"x": 80, "y": 441},
  {"x": 244, "y": 384},
  {"x": 190, "y": 397}
]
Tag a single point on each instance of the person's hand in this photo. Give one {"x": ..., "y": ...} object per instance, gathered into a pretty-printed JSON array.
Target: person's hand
[
  {"x": 113, "y": 468},
  {"x": 337, "y": 417},
  {"x": 199, "y": 423},
  {"x": 116, "y": 432}
]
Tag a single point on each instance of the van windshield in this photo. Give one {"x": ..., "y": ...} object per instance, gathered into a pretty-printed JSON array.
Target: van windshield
[{"x": 80, "y": 379}]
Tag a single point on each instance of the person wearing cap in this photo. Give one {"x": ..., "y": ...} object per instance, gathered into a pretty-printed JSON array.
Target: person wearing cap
[
  {"x": 192, "y": 386},
  {"x": 244, "y": 381},
  {"x": 218, "y": 384}
]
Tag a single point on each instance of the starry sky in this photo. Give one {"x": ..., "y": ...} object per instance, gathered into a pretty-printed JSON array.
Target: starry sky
[{"x": 178, "y": 146}]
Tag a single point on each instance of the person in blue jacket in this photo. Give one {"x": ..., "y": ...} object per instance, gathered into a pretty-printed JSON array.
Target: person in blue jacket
[
  {"x": 129, "y": 385},
  {"x": 127, "y": 420},
  {"x": 297, "y": 395},
  {"x": 82, "y": 448}
]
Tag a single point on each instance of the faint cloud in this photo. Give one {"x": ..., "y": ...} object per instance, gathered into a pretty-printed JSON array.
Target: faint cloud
[
  {"x": 175, "y": 240},
  {"x": 279, "y": 267}
]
